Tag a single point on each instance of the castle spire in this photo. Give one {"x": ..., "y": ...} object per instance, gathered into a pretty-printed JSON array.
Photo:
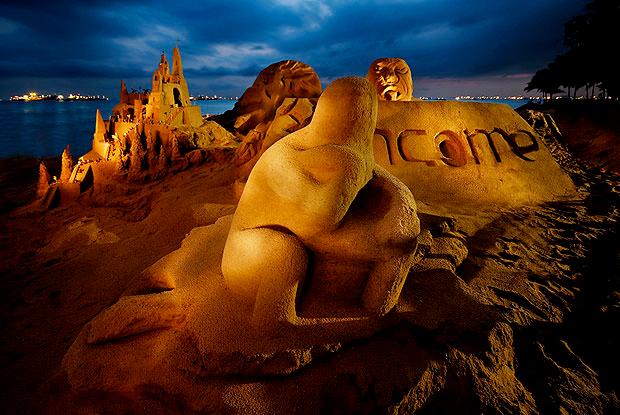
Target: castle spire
[
  {"x": 163, "y": 65},
  {"x": 100, "y": 129},
  {"x": 177, "y": 66},
  {"x": 124, "y": 94}
]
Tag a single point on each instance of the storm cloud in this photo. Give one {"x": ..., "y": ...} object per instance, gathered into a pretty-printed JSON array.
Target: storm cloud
[{"x": 453, "y": 46}]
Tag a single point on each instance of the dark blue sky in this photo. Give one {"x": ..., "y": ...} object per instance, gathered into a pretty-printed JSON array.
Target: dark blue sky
[{"x": 453, "y": 46}]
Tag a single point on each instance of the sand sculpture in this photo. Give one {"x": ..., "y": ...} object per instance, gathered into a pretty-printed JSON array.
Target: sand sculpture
[
  {"x": 280, "y": 101},
  {"x": 150, "y": 134},
  {"x": 315, "y": 200},
  {"x": 66, "y": 165},
  {"x": 465, "y": 151},
  {"x": 326, "y": 248},
  {"x": 43, "y": 183},
  {"x": 392, "y": 79},
  {"x": 228, "y": 302}
]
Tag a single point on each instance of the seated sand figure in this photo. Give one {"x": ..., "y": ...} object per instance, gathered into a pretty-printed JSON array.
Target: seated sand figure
[
  {"x": 317, "y": 203},
  {"x": 392, "y": 78}
]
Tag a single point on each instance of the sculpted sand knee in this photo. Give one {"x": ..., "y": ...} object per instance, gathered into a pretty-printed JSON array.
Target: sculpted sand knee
[{"x": 316, "y": 199}]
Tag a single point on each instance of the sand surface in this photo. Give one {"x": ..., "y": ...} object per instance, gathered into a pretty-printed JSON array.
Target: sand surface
[
  {"x": 589, "y": 129},
  {"x": 525, "y": 324}
]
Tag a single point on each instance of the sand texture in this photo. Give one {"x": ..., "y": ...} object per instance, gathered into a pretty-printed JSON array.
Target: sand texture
[{"x": 116, "y": 303}]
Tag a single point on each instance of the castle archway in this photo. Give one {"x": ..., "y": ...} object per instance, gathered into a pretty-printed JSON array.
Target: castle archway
[{"x": 177, "y": 97}]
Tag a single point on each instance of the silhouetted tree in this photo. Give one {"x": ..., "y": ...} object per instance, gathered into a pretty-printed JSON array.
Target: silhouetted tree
[
  {"x": 569, "y": 71},
  {"x": 592, "y": 43},
  {"x": 545, "y": 82}
]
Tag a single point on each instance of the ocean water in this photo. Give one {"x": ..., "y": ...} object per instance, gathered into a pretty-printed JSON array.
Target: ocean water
[
  {"x": 44, "y": 128},
  {"x": 514, "y": 103}
]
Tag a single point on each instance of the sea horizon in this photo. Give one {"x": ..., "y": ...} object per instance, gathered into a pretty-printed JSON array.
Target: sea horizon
[{"x": 44, "y": 128}]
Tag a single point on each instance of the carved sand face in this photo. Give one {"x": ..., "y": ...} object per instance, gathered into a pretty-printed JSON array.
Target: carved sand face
[{"x": 392, "y": 78}]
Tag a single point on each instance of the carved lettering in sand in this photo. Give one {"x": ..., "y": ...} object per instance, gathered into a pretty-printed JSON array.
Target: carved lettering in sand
[{"x": 452, "y": 148}]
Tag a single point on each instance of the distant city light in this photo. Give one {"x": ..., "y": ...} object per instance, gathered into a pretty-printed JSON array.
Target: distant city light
[{"x": 35, "y": 96}]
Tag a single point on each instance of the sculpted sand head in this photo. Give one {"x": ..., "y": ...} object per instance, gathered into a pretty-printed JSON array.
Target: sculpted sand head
[
  {"x": 352, "y": 124},
  {"x": 392, "y": 78}
]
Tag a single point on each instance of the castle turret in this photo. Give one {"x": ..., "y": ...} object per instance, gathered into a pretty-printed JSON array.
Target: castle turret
[
  {"x": 100, "y": 130},
  {"x": 163, "y": 66},
  {"x": 124, "y": 94},
  {"x": 177, "y": 66},
  {"x": 101, "y": 146},
  {"x": 66, "y": 165},
  {"x": 177, "y": 77},
  {"x": 44, "y": 181}
]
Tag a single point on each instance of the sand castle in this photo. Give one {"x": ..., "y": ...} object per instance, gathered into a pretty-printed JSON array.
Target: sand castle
[
  {"x": 166, "y": 107},
  {"x": 148, "y": 134}
]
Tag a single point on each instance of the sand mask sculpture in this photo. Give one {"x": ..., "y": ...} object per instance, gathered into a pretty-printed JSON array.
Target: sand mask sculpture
[
  {"x": 317, "y": 200},
  {"x": 392, "y": 78}
]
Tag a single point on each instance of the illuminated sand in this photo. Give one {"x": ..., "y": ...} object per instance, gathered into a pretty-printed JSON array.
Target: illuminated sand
[
  {"x": 280, "y": 101},
  {"x": 247, "y": 321},
  {"x": 392, "y": 79},
  {"x": 182, "y": 325},
  {"x": 448, "y": 354},
  {"x": 316, "y": 199},
  {"x": 497, "y": 313},
  {"x": 467, "y": 152}
]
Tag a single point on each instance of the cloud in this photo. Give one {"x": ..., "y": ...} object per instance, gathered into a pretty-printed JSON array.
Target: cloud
[
  {"x": 313, "y": 12},
  {"x": 232, "y": 56},
  {"x": 137, "y": 50},
  {"x": 7, "y": 26},
  {"x": 226, "y": 42}
]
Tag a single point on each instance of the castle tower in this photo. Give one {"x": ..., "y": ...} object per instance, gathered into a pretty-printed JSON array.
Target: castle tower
[
  {"x": 177, "y": 66},
  {"x": 157, "y": 105},
  {"x": 177, "y": 77},
  {"x": 161, "y": 74},
  {"x": 169, "y": 98},
  {"x": 163, "y": 65},
  {"x": 100, "y": 130},
  {"x": 124, "y": 99},
  {"x": 101, "y": 147}
]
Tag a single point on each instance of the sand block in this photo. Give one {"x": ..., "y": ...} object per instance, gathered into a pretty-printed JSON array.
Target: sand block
[{"x": 466, "y": 152}]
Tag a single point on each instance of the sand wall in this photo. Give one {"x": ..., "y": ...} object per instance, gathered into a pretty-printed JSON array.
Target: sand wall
[{"x": 466, "y": 152}]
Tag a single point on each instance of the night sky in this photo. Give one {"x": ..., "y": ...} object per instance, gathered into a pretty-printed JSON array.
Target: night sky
[{"x": 453, "y": 46}]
